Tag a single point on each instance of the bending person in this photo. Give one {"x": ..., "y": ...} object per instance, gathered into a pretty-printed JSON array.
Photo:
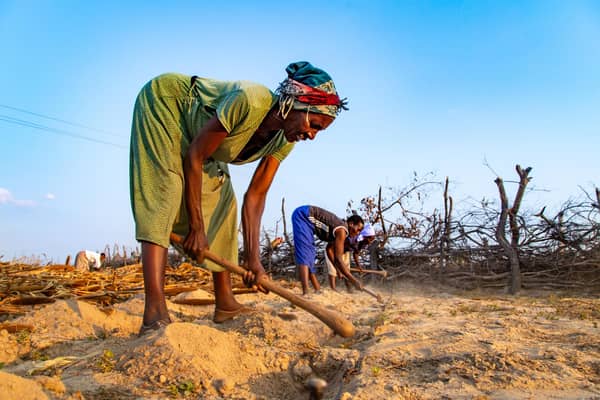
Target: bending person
[
  {"x": 308, "y": 221},
  {"x": 86, "y": 260},
  {"x": 185, "y": 132},
  {"x": 351, "y": 245}
]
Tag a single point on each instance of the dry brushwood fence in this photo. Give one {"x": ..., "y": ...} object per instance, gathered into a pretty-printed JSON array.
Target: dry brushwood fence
[{"x": 489, "y": 245}]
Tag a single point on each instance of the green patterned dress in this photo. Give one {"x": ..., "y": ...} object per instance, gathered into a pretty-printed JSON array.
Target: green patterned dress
[{"x": 169, "y": 112}]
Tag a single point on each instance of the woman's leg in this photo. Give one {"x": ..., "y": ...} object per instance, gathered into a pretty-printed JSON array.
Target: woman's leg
[
  {"x": 304, "y": 248},
  {"x": 331, "y": 271},
  {"x": 154, "y": 261},
  {"x": 332, "y": 279},
  {"x": 303, "y": 271},
  {"x": 226, "y": 306},
  {"x": 224, "y": 299},
  {"x": 315, "y": 282}
]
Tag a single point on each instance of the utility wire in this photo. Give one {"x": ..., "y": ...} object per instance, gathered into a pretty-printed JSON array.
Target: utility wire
[
  {"x": 21, "y": 122},
  {"x": 60, "y": 120}
]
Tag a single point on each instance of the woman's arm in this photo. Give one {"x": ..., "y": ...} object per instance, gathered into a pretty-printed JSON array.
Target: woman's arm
[
  {"x": 208, "y": 139},
  {"x": 355, "y": 255},
  {"x": 338, "y": 246},
  {"x": 252, "y": 211}
]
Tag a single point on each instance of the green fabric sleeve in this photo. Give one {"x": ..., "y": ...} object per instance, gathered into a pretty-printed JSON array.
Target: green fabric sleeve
[{"x": 233, "y": 110}]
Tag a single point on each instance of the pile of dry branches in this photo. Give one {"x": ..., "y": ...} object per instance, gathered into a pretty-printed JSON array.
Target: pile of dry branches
[
  {"x": 23, "y": 286},
  {"x": 492, "y": 244}
]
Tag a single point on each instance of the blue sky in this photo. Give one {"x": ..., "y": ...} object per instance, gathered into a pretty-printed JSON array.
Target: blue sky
[{"x": 433, "y": 86}]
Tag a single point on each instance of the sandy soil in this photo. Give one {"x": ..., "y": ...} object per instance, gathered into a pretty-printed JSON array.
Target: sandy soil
[{"x": 421, "y": 343}]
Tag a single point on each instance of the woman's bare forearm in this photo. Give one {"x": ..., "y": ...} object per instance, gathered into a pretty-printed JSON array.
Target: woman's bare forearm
[
  {"x": 253, "y": 208},
  {"x": 252, "y": 212}
]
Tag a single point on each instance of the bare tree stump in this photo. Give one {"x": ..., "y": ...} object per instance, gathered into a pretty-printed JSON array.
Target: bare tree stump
[{"x": 512, "y": 248}]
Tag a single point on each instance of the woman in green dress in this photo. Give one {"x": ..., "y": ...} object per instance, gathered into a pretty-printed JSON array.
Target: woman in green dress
[{"x": 185, "y": 132}]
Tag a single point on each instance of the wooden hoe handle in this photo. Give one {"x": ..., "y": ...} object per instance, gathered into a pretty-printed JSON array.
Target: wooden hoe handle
[
  {"x": 332, "y": 319},
  {"x": 370, "y": 271}
]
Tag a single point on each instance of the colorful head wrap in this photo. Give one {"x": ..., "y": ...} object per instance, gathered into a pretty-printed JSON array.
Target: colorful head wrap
[
  {"x": 308, "y": 88},
  {"x": 367, "y": 231}
]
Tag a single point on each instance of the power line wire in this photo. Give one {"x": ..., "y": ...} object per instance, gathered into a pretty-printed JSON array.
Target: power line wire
[
  {"x": 29, "y": 124},
  {"x": 60, "y": 120}
]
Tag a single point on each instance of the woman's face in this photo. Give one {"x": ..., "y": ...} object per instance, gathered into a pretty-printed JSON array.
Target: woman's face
[
  {"x": 354, "y": 229},
  {"x": 302, "y": 125}
]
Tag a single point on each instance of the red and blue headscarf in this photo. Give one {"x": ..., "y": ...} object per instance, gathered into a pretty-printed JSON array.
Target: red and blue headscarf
[{"x": 310, "y": 89}]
